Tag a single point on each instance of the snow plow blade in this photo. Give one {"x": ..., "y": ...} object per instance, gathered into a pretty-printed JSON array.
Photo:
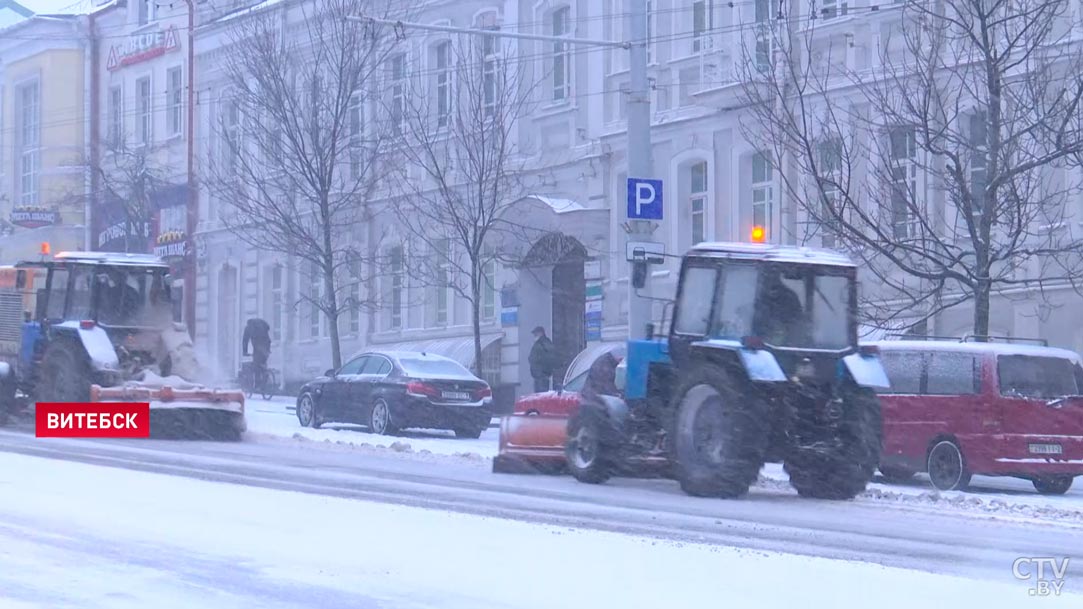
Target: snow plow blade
[{"x": 195, "y": 413}]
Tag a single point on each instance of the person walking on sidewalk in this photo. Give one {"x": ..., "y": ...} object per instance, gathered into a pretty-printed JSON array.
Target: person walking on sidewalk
[{"x": 542, "y": 360}]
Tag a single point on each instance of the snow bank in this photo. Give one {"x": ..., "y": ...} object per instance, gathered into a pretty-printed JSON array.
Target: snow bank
[{"x": 139, "y": 539}]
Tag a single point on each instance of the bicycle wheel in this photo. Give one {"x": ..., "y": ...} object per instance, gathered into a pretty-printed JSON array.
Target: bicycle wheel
[{"x": 269, "y": 384}]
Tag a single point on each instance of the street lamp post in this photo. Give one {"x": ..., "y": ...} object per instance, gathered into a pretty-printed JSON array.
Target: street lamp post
[{"x": 640, "y": 164}]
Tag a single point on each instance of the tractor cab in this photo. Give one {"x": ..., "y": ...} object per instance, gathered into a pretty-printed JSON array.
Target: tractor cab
[{"x": 797, "y": 304}]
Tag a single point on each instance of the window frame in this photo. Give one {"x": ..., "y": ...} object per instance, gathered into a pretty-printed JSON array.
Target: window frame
[
  {"x": 700, "y": 197},
  {"x": 679, "y": 305},
  {"x": 763, "y": 194},
  {"x": 144, "y": 101},
  {"x": 175, "y": 100},
  {"x": 560, "y": 57}
]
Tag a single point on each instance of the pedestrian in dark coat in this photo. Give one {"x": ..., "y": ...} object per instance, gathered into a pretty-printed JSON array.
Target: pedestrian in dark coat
[{"x": 542, "y": 360}]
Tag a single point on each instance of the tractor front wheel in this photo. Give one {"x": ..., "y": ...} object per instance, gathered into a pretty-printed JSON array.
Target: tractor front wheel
[
  {"x": 721, "y": 434},
  {"x": 64, "y": 375},
  {"x": 841, "y": 469}
]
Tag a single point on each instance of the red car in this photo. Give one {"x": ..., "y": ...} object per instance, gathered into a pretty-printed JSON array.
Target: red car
[
  {"x": 956, "y": 409},
  {"x": 532, "y": 438}
]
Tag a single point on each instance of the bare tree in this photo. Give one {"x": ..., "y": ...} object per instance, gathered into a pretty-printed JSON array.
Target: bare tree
[
  {"x": 130, "y": 178},
  {"x": 463, "y": 171},
  {"x": 297, "y": 165},
  {"x": 942, "y": 163}
]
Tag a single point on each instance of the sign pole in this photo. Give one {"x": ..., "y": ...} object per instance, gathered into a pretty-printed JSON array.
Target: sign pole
[{"x": 640, "y": 166}]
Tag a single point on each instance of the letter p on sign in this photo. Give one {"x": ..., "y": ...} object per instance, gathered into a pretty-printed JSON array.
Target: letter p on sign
[{"x": 644, "y": 199}]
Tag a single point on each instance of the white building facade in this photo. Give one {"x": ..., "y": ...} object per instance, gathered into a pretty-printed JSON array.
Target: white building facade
[{"x": 574, "y": 280}]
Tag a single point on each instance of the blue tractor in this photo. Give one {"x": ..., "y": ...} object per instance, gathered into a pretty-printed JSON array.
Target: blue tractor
[
  {"x": 761, "y": 364},
  {"x": 93, "y": 326}
]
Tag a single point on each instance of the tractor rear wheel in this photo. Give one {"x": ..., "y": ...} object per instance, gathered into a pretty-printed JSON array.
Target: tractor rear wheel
[
  {"x": 721, "y": 433},
  {"x": 64, "y": 375},
  {"x": 841, "y": 469}
]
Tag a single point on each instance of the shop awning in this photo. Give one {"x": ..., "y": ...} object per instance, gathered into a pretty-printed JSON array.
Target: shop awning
[{"x": 460, "y": 349}]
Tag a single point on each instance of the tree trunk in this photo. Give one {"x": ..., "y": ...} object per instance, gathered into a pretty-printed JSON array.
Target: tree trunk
[
  {"x": 331, "y": 311},
  {"x": 981, "y": 309},
  {"x": 475, "y": 313}
]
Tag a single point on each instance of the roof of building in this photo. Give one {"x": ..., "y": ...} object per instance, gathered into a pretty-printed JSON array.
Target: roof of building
[{"x": 773, "y": 252}]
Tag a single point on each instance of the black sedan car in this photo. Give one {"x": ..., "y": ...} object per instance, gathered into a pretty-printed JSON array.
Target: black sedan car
[{"x": 393, "y": 390}]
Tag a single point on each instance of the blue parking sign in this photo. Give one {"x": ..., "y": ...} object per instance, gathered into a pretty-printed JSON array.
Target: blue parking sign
[{"x": 644, "y": 199}]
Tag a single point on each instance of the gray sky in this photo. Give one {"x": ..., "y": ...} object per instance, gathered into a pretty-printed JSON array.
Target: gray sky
[{"x": 58, "y": 6}]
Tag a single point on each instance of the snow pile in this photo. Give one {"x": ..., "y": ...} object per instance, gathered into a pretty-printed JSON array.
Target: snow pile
[{"x": 971, "y": 503}]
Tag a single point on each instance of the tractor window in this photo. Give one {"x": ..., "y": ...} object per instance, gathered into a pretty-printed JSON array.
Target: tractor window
[
  {"x": 81, "y": 306},
  {"x": 804, "y": 308},
  {"x": 58, "y": 291},
  {"x": 697, "y": 296},
  {"x": 133, "y": 297},
  {"x": 736, "y": 302}
]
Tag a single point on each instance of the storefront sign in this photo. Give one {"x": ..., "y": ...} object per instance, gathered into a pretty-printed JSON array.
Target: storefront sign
[
  {"x": 34, "y": 218},
  {"x": 171, "y": 246},
  {"x": 142, "y": 47}
]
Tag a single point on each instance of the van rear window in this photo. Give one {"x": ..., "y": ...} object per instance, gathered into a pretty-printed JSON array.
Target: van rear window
[{"x": 1029, "y": 376}]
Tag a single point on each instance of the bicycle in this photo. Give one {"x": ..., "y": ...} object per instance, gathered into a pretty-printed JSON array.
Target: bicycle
[{"x": 257, "y": 379}]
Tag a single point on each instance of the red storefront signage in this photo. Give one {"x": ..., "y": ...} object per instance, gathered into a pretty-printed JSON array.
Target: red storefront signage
[{"x": 142, "y": 47}]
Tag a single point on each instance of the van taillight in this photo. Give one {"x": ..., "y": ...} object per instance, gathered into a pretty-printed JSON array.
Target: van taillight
[
  {"x": 868, "y": 350},
  {"x": 86, "y": 324}
]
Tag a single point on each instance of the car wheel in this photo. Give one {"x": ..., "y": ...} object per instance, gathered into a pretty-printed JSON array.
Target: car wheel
[
  {"x": 380, "y": 419},
  {"x": 947, "y": 467},
  {"x": 469, "y": 432},
  {"x": 1053, "y": 485},
  {"x": 306, "y": 412}
]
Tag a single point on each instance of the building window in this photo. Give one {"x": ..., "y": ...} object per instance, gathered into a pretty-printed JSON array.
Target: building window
[
  {"x": 231, "y": 126},
  {"x": 443, "y": 83},
  {"x": 979, "y": 160},
  {"x": 144, "y": 103},
  {"x": 397, "y": 77},
  {"x": 115, "y": 130},
  {"x": 148, "y": 10},
  {"x": 355, "y": 305},
  {"x": 831, "y": 174},
  {"x": 829, "y": 9},
  {"x": 488, "y": 286},
  {"x": 357, "y": 130},
  {"x": 276, "y": 303},
  {"x": 702, "y": 24},
  {"x": 315, "y": 295},
  {"x": 29, "y": 133},
  {"x": 762, "y": 193},
  {"x": 561, "y": 57},
  {"x": 698, "y": 202},
  {"x": 175, "y": 103},
  {"x": 764, "y": 39},
  {"x": 489, "y": 60},
  {"x": 396, "y": 291},
  {"x": 904, "y": 182},
  {"x": 442, "y": 282}
]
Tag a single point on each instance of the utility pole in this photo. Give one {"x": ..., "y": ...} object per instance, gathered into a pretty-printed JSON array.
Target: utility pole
[{"x": 639, "y": 124}]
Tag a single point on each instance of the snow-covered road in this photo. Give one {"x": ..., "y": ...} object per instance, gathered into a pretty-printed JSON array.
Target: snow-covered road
[
  {"x": 86, "y": 536},
  {"x": 916, "y": 536}
]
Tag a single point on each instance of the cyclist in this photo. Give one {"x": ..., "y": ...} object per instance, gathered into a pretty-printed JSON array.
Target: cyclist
[{"x": 257, "y": 332}]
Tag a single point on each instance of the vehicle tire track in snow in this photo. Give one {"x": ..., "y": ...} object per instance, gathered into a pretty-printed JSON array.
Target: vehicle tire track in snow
[{"x": 766, "y": 521}]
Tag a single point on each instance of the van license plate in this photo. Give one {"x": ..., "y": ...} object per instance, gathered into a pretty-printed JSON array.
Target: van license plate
[
  {"x": 1046, "y": 449},
  {"x": 456, "y": 395}
]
